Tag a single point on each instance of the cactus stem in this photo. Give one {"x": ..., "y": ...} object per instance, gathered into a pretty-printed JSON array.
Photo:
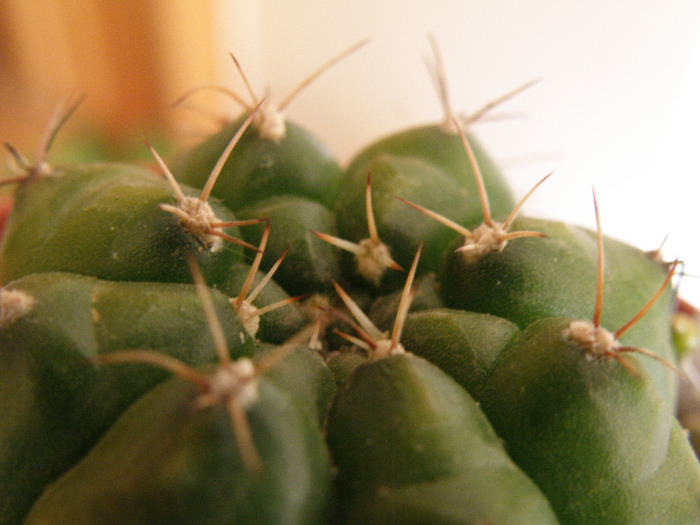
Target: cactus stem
[{"x": 247, "y": 312}]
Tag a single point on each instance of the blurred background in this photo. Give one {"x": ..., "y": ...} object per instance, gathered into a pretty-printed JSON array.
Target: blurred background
[{"x": 617, "y": 107}]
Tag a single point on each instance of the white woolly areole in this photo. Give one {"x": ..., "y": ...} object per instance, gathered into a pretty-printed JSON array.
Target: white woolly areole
[
  {"x": 248, "y": 316},
  {"x": 236, "y": 379},
  {"x": 196, "y": 218},
  {"x": 384, "y": 349},
  {"x": 372, "y": 260},
  {"x": 486, "y": 239},
  {"x": 597, "y": 341},
  {"x": 14, "y": 304},
  {"x": 270, "y": 122}
]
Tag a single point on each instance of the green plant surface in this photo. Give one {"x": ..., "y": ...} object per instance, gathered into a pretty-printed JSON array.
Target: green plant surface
[
  {"x": 104, "y": 220},
  {"x": 597, "y": 438},
  {"x": 56, "y": 401},
  {"x": 441, "y": 147},
  {"x": 167, "y": 460},
  {"x": 536, "y": 278},
  {"x": 258, "y": 168},
  {"x": 410, "y": 445},
  {"x": 310, "y": 264}
]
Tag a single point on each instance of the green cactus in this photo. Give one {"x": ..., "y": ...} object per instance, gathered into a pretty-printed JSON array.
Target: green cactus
[
  {"x": 520, "y": 371},
  {"x": 116, "y": 222},
  {"x": 55, "y": 402},
  {"x": 426, "y": 164},
  {"x": 185, "y": 466},
  {"x": 598, "y": 439},
  {"x": 284, "y": 172},
  {"x": 409, "y": 442},
  {"x": 521, "y": 283}
]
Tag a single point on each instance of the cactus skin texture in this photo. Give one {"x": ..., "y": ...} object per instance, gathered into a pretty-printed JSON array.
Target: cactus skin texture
[
  {"x": 56, "y": 403},
  {"x": 536, "y": 278},
  {"x": 168, "y": 461},
  {"x": 426, "y": 165},
  {"x": 442, "y": 148},
  {"x": 258, "y": 168},
  {"x": 598, "y": 440},
  {"x": 311, "y": 264},
  {"x": 466, "y": 345},
  {"x": 103, "y": 220},
  {"x": 304, "y": 374},
  {"x": 412, "y": 446},
  {"x": 401, "y": 227},
  {"x": 293, "y": 181}
]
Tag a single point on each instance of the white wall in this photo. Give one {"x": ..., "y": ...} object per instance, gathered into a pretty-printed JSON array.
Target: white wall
[{"x": 618, "y": 106}]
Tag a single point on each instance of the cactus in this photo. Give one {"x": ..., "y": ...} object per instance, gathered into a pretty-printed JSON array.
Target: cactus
[
  {"x": 390, "y": 342},
  {"x": 282, "y": 171}
]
